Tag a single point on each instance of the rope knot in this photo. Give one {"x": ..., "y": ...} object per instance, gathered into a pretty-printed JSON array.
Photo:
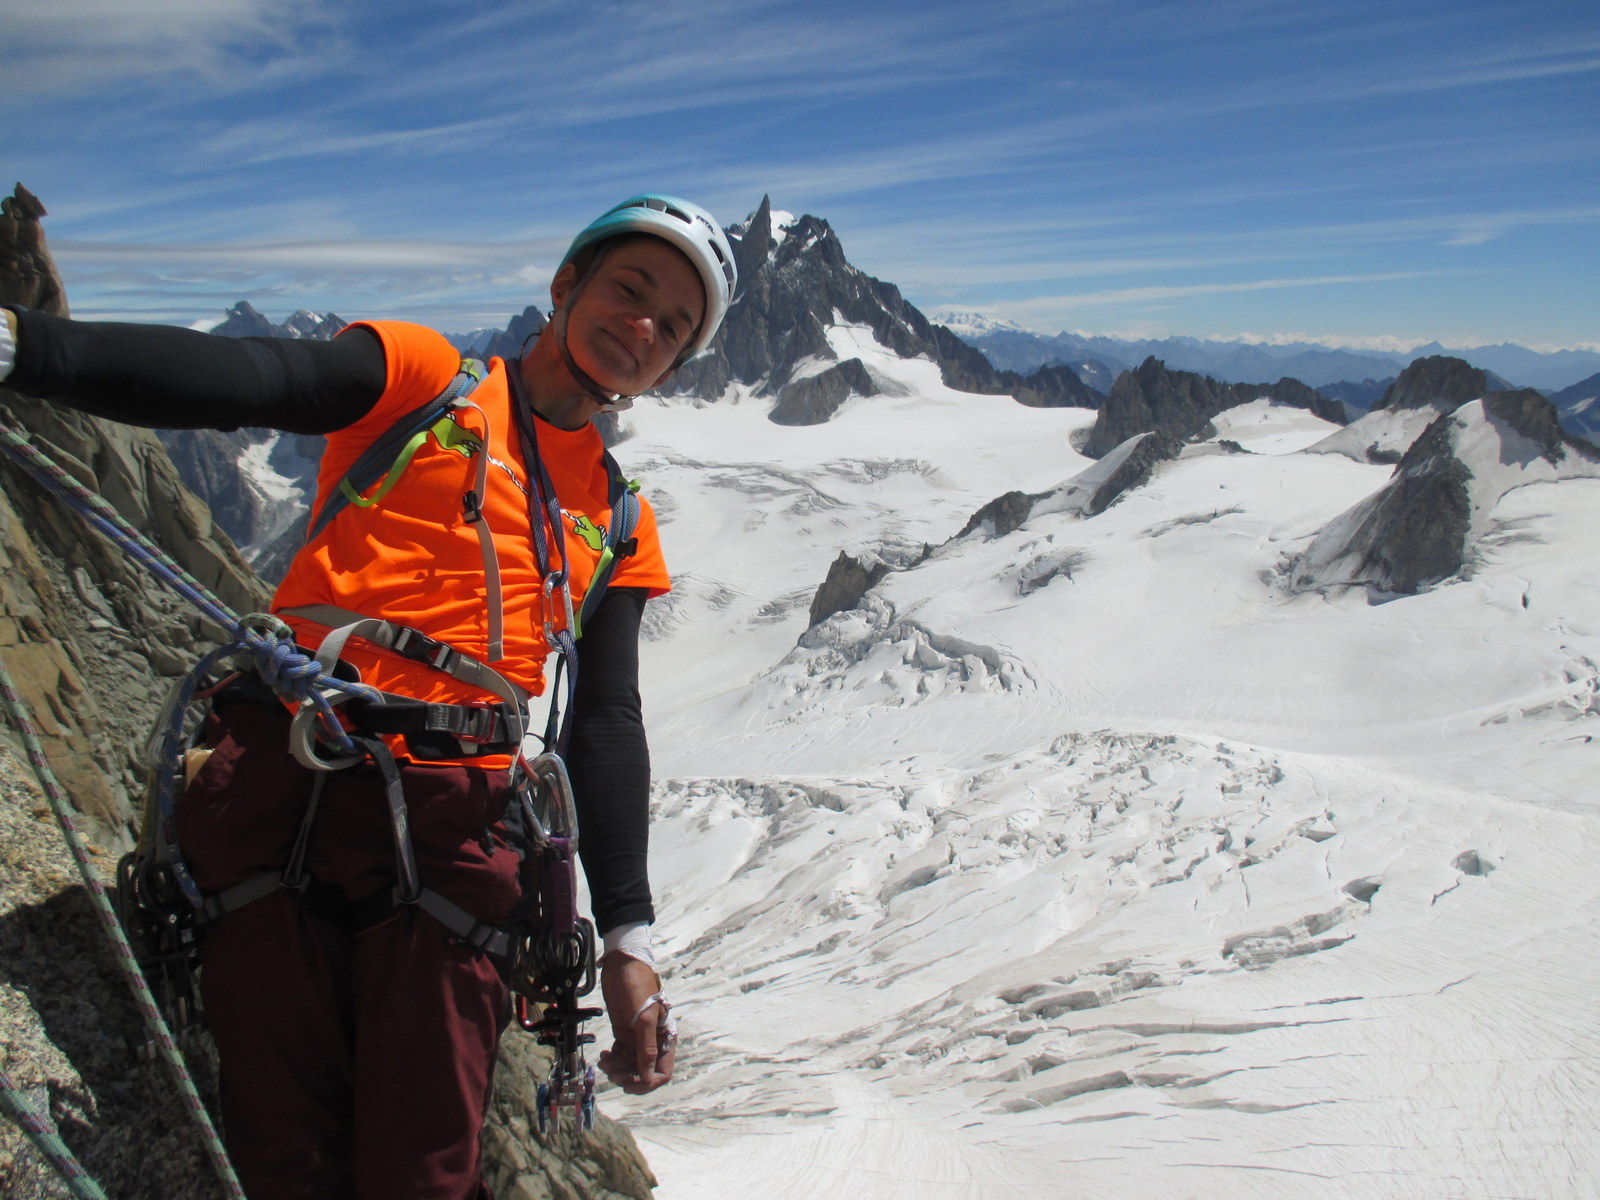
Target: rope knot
[{"x": 282, "y": 665}]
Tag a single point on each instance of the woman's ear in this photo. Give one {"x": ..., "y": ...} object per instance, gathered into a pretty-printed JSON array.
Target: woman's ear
[{"x": 561, "y": 287}]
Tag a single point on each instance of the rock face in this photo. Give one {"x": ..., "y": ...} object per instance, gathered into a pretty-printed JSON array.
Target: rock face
[
  {"x": 1127, "y": 467},
  {"x": 1180, "y": 404},
  {"x": 1421, "y": 528},
  {"x": 91, "y": 642},
  {"x": 89, "y": 635},
  {"x": 812, "y": 400},
  {"x": 1439, "y": 381},
  {"x": 1421, "y": 393},
  {"x": 26, "y": 268},
  {"x": 794, "y": 282},
  {"x": 849, "y": 579}
]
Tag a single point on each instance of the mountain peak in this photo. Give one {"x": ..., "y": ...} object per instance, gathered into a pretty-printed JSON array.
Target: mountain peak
[
  {"x": 974, "y": 324},
  {"x": 1439, "y": 381}
]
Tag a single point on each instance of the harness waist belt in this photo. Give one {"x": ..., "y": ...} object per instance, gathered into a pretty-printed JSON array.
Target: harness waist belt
[
  {"x": 408, "y": 643},
  {"x": 492, "y": 728}
]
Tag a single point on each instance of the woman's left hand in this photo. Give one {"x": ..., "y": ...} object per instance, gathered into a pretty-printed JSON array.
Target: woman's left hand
[{"x": 641, "y": 1057}]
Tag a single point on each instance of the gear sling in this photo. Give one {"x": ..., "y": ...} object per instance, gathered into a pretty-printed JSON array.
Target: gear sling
[{"x": 547, "y": 951}]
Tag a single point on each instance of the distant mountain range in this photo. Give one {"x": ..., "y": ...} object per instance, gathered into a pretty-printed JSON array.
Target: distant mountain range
[
  {"x": 795, "y": 335},
  {"x": 1095, "y": 358}
]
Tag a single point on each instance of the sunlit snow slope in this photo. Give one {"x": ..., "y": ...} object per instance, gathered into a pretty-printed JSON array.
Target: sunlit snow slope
[{"x": 1087, "y": 860}]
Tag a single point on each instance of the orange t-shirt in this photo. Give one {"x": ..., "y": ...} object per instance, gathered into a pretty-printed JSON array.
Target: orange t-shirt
[{"x": 413, "y": 558}]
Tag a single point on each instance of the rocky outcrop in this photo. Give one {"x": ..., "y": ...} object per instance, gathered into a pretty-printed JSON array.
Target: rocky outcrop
[
  {"x": 91, "y": 642},
  {"x": 1357, "y": 398},
  {"x": 1414, "y": 532},
  {"x": 1421, "y": 528},
  {"x": 1422, "y": 392},
  {"x": 1050, "y": 387},
  {"x": 1127, "y": 467},
  {"x": 815, "y": 398},
  {"x": 849, "y": 579},
  {"x": 1295, "y": 394},
  {"x": 1180, "y": 404},
  {"x": 1440, "y": 382},
  {"x": 1002, "y": 515},
  {"x": 967, "y": 370},
  {"x": 1151, "y": 397},
  {"x": 1086, "y": 494},
  {"x": 27, "y": 273}
]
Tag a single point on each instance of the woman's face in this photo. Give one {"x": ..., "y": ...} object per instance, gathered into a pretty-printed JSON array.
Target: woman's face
[{"x": 639, "y": 308}]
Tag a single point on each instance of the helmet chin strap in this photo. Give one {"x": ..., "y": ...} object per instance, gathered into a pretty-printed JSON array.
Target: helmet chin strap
[{"x": 609, "y": 401}]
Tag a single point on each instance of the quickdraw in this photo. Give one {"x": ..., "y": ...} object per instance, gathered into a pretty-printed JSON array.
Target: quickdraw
[{"x": 555, "y": 965}]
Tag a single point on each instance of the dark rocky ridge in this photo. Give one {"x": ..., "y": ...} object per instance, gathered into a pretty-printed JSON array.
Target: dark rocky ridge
[
  {"x": 812, "y": 400},
  {"x": 1439, "y": 381},
  {"x": 1180, "y": 404},
  {"x": 1415, "y": 534},
  {"x": 243, "y": 320},
  {"x": 1417, "y": 531},
  {"x": 92, "y": 643},
  {"x": 789, "y": 293},
  {"x": 849, "y": 579}
]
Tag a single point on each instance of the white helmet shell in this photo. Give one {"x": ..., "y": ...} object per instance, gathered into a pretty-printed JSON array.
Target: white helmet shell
[{"x": 688, "y": 227}]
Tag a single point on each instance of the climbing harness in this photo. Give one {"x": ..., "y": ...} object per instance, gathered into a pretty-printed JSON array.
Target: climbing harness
[
  {"x": 552, "y": 958},
  {"x": 550, "y": 954}
]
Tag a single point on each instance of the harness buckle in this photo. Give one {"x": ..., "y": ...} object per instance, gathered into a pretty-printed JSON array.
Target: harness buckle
[
  {"x": 419, "y": 647},
  {"x": 488, "y": 720},
  {"x": 472, "y": 507}
]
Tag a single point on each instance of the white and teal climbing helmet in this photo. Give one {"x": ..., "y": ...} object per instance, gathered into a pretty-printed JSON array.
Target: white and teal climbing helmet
[{"x": 688, "y": 227}]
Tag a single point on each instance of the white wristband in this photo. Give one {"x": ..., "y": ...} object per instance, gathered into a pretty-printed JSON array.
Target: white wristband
[
  {"x": 8, "y": 344},
  {"x": 633, "y": 940}
]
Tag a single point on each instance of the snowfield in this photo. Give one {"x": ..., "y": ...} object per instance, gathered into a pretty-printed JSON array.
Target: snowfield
[{"x": 1091, "y": 860}]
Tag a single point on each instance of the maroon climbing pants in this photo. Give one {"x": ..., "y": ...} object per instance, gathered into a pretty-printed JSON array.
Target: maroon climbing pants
[{"x": 355, "y": 1063}]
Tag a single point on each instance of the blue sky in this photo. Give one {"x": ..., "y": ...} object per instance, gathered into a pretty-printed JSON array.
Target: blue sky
[{"x": 1375, "y": 174}]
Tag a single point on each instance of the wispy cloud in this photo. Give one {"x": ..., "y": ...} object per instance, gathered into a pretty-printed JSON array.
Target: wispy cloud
[
  {"x": 252, "y": 143},
  {"x": 55, "y": 47},
  {"x": 1120, "y": 157},
  {"x": 1144, "y": 295}
]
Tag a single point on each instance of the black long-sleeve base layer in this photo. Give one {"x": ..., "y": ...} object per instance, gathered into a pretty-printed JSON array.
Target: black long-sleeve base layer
[{"x": 165, "y": 377}]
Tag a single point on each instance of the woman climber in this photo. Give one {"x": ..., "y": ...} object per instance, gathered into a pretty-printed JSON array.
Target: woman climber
[{"x": 357, "y": 1035}]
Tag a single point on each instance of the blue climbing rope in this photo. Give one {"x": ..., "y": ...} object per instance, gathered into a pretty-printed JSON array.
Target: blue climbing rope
[{"x": 262, "y": 638}]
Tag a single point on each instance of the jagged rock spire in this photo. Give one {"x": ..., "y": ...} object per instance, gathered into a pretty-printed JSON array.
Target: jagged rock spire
[
  {"x": 27, "y": 273},
  {"x": 794, "y": 283}
]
